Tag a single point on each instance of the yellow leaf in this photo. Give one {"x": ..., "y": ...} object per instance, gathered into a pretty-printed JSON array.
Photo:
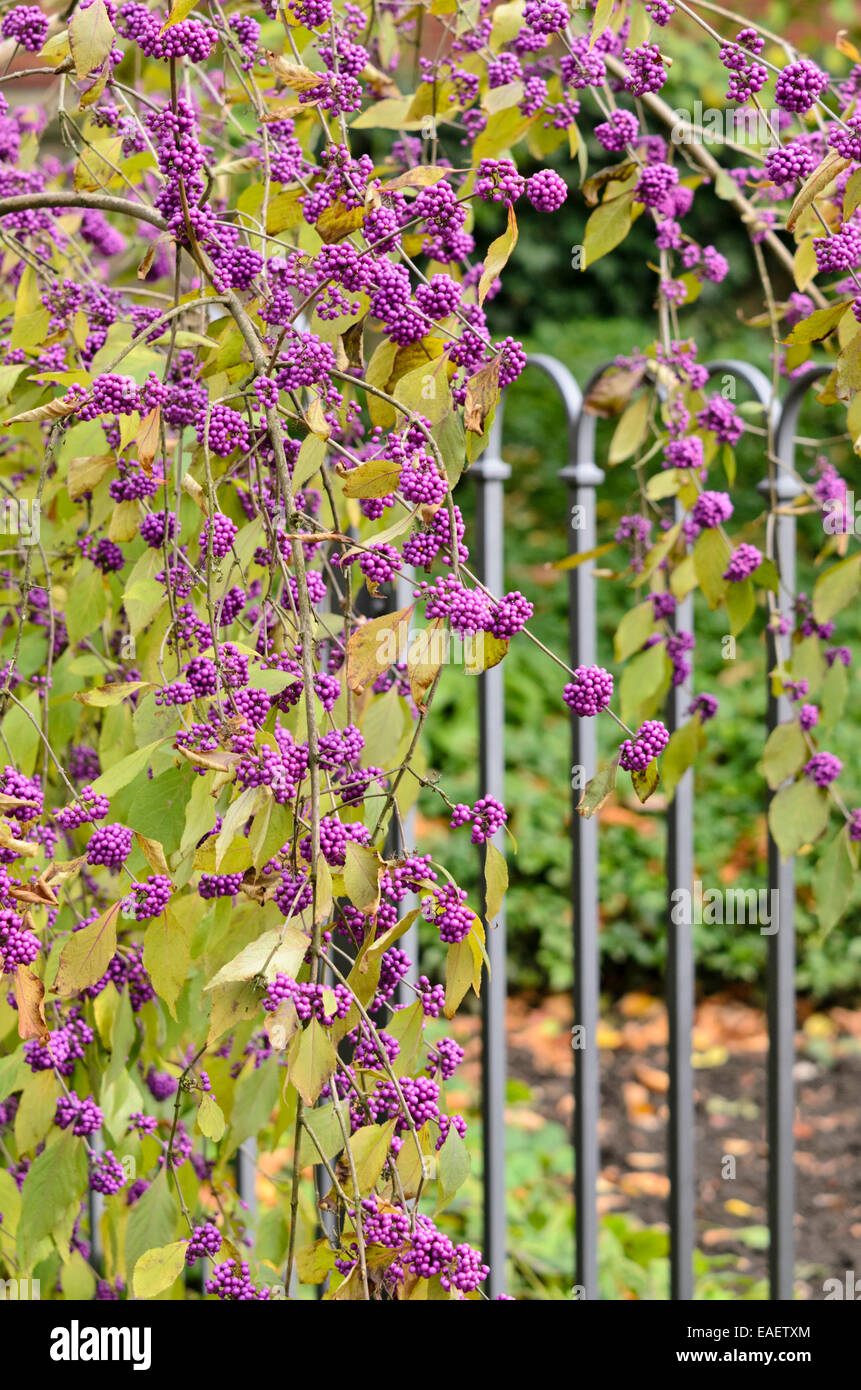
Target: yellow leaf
[
  {"x": 497, "y": 256},
  {"x": 91, "y": 37},
  {"x": 362, "y": 870},
  {"x": 311, "y": 1061},
  {"x": 87, "y": 953},
  {"x": 373, "y": 478},
  {"x": 156, "y": 1270},
  {"x": 375, "y": 646}
]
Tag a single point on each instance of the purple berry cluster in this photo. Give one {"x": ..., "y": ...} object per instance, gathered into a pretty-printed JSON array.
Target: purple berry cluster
[
  {"x": 204, "y": 1243},
  {"x": 651, "y": 740},
  {"x": 590, "y": 691}
]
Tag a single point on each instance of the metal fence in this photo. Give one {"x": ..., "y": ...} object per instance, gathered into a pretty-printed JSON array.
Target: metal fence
[{"x": 581, "y": 477}]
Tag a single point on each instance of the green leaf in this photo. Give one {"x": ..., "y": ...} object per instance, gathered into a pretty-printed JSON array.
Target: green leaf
[
  {"x": 785, "y": 753},
  {"x": 323, "y": 1122},
  {"x": 680, "y": 754},
  {"x": 834, "y": 693},
  {"x": 54, "y": 1185},
  {"x": 836, "y": 588},
  {"x": 91, "y": 37},
  {"x": 645, "y": 681},
  {"x": 167, "y": 955},
  {"x": 370, "y": 1148},
  {"x": 35, "y": 1114},
  {"x": 10, "y": 1203},
  {"x": 374, "y": 646},
  {"x": 600, "y": 20},
  {"x": 141, "y": 602},
  {"x": 453, "y": 1168},
  {"x": 152, "y": 1221},
  {"x": 231, "y": 1005},
  {"x": 740, "y": 604},
  {"x": 767, "y": 576},
  {"x": 667, "y": 483},
  {"x": 458, "y": 975},
  {"x": 362, "y": 870},
  {"x": 87, "y": 953},
  {"x": 119, "y": 1098},
  {"x": 210, "y": 1118},
  {"x": 254, "y": 1099},
  {"x": 13, "y": 1074},
  {"x": 388, "y": 114},
  {"x": 797, "y": 816},
  {"x": 407, "y": 1027},
  {"x": 608, "y": 225},
  {"x": 311, "y": 1061},
  {"x": 808, "y": 663},
  {"x": 507, "y": 23},
  {"x": 79, "y": 1281},
  {"x": 157, "y": 1269},
  {"x": 287, "y": 948},
  {"x": 833, "y": 882},
  {"x": 630, "y": 431},
  {"x": 848, "y": 381},
  {"x": 819, "y": 324},
  {"x": 495, "y": 880},
  {"x": 634, "y": 630},
  {"x": 372, "y": 949},
  {"x": 426, "y": 389},
  {"x": 125, "y": 770},
  {"x": 89, "y": 598},
  {"x": 572, "y": 562},
  {"x": 660, "y": 550},
  {"x": 711, "y": 556}
]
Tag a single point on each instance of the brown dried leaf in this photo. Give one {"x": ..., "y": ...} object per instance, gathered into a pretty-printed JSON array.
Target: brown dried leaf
[
  {"x": 54, "y": 410},
  {"x": 353, "y": 344},
  {"x": 146, "y": 264},
  {"x": 482, "y": 392},
  {"x": 30, "y": 997},
  {"x": 293, "y": 75},
  {"x": 612, "y": 392},
  {"x": 148, "y": 438}
]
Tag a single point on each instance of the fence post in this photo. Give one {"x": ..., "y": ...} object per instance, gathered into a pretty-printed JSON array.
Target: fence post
[
  {"x": 680, "y": 989},
  {"x": 680, "y": 981},
  {"x": 403, "y": 596},
  {"x": 784, "y": 486},
  {"x": 490, "y": 473},
  {"x": 582, "y": 476}
]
